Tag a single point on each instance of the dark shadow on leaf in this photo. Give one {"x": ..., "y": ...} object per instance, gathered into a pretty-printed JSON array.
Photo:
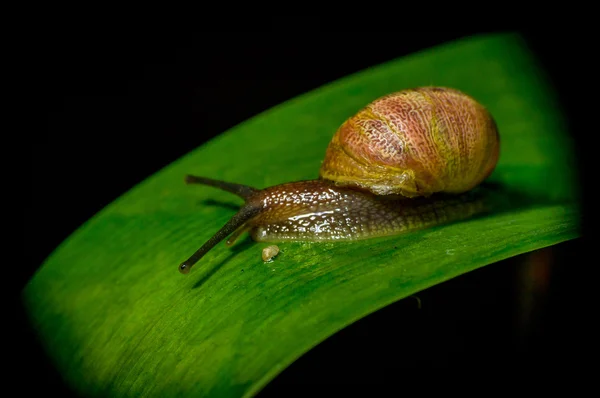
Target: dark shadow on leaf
[
  {"x": 503, "y": 198},
  {"x": 226, "y": 205},
  {"x": 239, "y": 246},
  {"x": 500, "y": 198}
]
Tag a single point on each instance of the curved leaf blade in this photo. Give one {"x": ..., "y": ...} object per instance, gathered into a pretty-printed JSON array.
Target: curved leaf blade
[{"x": 120, "y": 320}]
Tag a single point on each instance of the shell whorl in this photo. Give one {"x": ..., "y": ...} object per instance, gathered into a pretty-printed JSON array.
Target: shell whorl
[{"x": 414, "y": 143}]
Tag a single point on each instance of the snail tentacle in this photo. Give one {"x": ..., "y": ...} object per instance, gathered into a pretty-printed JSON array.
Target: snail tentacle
[
  {"x": 243, "y": 191},
  {"x": 238, "y": 220}
]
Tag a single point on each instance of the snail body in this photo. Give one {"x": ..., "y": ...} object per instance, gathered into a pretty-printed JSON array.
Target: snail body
[{"x": 408, "y": 160}]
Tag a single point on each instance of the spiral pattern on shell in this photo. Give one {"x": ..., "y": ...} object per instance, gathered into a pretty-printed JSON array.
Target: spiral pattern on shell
[{"x": 414, "y": 143}]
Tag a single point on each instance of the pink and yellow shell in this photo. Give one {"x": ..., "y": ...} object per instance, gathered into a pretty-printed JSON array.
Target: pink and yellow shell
[{"x": 415, "y": 142}]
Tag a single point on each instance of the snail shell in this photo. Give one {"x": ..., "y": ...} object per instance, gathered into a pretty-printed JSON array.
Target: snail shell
[{"x": 415, "y": 142}]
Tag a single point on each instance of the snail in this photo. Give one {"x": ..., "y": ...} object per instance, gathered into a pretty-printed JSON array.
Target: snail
[{"x": 408, "y": 160}]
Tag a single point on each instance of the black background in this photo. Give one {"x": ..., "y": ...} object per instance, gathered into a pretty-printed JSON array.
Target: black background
[{"x": 117, "y": 105}]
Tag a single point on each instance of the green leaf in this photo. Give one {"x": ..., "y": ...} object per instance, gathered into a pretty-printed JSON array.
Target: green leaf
[{"x": 119, "y": 319}]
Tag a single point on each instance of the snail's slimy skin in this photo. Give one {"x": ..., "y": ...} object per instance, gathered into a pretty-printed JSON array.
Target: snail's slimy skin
[
  {"x": 318, "y": 210},
  {"x": 414, "y": 143}
]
